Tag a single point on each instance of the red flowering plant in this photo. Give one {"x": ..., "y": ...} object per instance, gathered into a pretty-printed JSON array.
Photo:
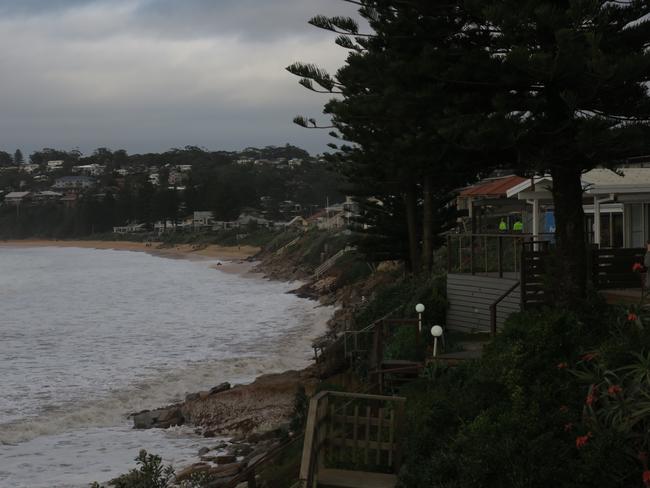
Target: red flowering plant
[{"x": 616, "y": 405}]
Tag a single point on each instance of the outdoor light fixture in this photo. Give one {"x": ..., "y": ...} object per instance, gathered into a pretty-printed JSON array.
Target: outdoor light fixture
[
  {"x": 419, "y": 308},
  {"x": 436, "y": 331}
]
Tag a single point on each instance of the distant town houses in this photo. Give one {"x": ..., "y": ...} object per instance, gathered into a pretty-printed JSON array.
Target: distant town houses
[
  {"x": 68, "y": 182},
  {"x": 74, "y": 183}
]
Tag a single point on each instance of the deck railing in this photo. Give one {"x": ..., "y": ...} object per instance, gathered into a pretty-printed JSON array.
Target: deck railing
[
  {"x": 496, "y": 254},
  {"x": 352, "y": 432}
]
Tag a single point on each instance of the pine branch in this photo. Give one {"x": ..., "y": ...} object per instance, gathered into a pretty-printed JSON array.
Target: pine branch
[
  {"x": 338, "y": 25},
  {"x": 310, "y": 123},
  {"x": 314, "y": 73},
  {"x": 348, "y": 43}
]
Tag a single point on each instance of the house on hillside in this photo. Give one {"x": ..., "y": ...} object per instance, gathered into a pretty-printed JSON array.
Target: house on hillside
[
  {"x": 46, "y": 196},
  {"x": 252, "y": 218},
  {"x": 29, "y": 168},
  {"x": 132, "y": 228},
  {"x": 54, "y": 165},
  {"x": 17, "y": 197},
  {"x": 298, "y": 222},
  {"x": 89, "y": 169},
  {"x": 202, "y": 220},
  {"x": 74, "y": 183}
]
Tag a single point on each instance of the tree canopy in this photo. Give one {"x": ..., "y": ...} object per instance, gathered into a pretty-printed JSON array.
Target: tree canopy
[{"x": 436, "y": 94}]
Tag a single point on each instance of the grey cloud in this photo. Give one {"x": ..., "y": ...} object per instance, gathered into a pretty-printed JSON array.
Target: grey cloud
[
  {"x": 38, "y": 7},
  {"x": 251, "y": 19},
  {"x": 152, "y": 74}
]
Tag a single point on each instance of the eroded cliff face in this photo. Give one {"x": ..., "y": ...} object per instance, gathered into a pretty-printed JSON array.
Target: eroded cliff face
[
  {"x": 262, "y": 406},
  {"x": 241, "y": 411}
]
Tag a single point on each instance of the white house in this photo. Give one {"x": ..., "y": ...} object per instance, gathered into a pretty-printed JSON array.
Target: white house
[
  {"x": 616, "y": 204},
  {"x": 17, "y": 197},
  {"x": 202, "y": 219},
  {"x": 90, "y": 169},
  {"x": 130, "y": 229},
  {"x": 54, "y": 165}
]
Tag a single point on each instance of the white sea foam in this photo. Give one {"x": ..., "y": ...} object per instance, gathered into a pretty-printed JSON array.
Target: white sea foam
[{"x": 89, "y": 336}]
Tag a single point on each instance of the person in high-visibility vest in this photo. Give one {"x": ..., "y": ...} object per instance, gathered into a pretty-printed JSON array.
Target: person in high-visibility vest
[
  {"x": 518, "y": 226},
  {"x": 503, "y": 226}
]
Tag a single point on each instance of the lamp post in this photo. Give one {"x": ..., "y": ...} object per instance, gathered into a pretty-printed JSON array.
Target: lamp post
[
  {"x": 419, "y": 308},
  {"x": 436, "y": 331}
]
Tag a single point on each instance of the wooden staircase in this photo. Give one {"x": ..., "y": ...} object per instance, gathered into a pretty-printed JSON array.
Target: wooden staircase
[{"x": 352, "y": 441}]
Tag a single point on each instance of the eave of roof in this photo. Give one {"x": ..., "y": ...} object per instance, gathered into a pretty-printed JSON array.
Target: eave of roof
[{"x": 495, "y": 188}]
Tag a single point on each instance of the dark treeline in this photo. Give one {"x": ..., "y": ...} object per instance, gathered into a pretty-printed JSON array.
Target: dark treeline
[{"x": 222, "y": 182}]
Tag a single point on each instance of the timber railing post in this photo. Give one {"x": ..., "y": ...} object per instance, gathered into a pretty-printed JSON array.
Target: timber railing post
[
  {"x": 471, "y": 253},
  {"x": 522, "y": 280},
  {"x": 448, "y": 253},
  {"x": 493, "y": 319},
  {"x": 485, "y": 252},
  {"x": 500, "y": 255}
]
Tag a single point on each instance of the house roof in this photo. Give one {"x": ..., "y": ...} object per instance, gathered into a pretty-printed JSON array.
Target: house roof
[
  {"x": 623, "y": 180},
  {"x": 17, "y": 194},
  {"x": 598, "y": 181},
  {"x": 493, "y": 187}
]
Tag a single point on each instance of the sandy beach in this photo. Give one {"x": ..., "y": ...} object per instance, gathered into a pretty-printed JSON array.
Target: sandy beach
[{"x": 232, "y": 256}]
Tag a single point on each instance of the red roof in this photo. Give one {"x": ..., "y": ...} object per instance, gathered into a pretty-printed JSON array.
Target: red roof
[{"x": 492, "y": 188}]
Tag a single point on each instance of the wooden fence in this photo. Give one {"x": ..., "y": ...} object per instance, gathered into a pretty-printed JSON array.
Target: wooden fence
[
  {"x": 352, "y": 440},
  {"x": 612, "y": 268}
]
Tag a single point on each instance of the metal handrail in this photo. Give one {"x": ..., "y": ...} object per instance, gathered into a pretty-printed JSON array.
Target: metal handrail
[{"x": 493, "y": 308}]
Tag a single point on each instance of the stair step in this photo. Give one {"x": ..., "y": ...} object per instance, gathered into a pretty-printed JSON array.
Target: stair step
[{"x": 342, "y": 478}]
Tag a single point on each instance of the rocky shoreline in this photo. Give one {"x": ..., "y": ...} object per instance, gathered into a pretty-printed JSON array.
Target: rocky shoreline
[{"x": 254, "y": 418}]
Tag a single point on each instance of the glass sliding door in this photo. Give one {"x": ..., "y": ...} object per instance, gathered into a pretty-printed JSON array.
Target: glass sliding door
[{"x": 617, "y": 230}]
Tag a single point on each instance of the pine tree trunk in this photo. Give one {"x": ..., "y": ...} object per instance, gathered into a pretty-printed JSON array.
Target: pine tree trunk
[
  {"x": 570, "y": 234},
  {"x": 410, "y": 202},
  {"x": 427, "y": 225}
]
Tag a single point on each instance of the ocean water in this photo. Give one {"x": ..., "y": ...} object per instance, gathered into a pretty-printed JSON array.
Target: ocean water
[{"x": 88, "y": 336}]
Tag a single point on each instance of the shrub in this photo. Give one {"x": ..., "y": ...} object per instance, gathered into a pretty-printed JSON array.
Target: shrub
[
  {"x": 150, "y": 473},
  {"x": 507, "y": 419}
]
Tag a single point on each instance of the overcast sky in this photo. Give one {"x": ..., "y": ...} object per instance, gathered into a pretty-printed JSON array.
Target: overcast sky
[{"x": 148, "y": 75}]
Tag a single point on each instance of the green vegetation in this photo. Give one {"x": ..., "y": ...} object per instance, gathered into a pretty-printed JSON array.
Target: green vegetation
[
  {"x": 150, "y": 473},
  {"x": 556, "y": 400}
]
